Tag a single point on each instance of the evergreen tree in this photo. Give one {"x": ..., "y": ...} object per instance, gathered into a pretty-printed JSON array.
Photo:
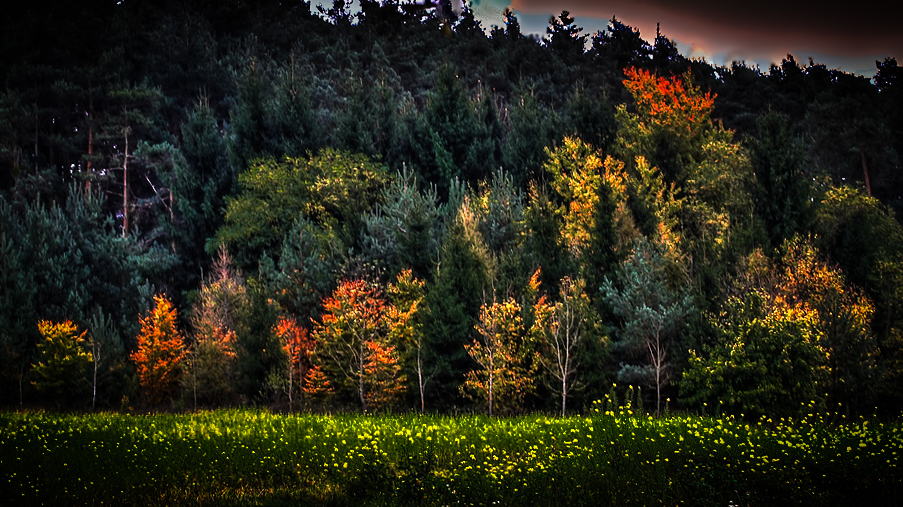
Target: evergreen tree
[
  {"x": 462, "y": 276},
  {"x": 650, "y": 312},
  {"x": 564, "y": 39},
  {"x": 532, "y": 129},
  {"x": 405, "y": 229},
  {"x": 783, "y": 194},
  {"x": 198, "y": 183}
]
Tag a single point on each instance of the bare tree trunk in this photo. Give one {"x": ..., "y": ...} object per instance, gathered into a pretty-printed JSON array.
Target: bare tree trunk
[
  {"x": 564, "y": 394},
  {"x": 291, "y": 377},
  {"x": 420, "y": 378},
  {"x": 865, "y": 171},
  {"x": 491, "y": 378},
  {"x": 360, "y": 376},
  {"x": 125, "y": 187},
  {"x": 194, "y": 373},
  {"x": 21, "y": 377},
  {"x": 95, "y": 349},
  {"x": 36, "y": 138}
]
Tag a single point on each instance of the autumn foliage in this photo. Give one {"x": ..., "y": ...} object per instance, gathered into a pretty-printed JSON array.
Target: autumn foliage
[
  {"x": 298, "y": 346},
  {"x": 62, "y": 358},
  {"x": 674, "y": 103},
  {"x": 504, "y": 375},
  {"x": 161, "y": 351},
  {"x": 353, "y": 347}
]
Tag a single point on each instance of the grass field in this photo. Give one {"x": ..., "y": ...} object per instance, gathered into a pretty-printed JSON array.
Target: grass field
[{"x": 244, "y": 457}]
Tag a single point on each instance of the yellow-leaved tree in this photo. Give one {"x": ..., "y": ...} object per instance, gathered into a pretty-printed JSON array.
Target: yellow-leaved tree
[
  {"x": 503, "y": 354},
  {"x": 63, "y": 360}
]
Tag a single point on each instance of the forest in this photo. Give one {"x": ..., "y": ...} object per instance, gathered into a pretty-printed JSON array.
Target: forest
[{"x": 388, "y": 209}]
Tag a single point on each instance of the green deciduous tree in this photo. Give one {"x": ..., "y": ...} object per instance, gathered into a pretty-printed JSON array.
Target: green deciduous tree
[
  {"x": 407, "y": 315},
  {"x": 333, "y": 189},
  {"x": 765, "y": 359}
]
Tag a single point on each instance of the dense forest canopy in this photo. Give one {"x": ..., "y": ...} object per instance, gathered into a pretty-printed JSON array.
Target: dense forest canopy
[{"x": 221, "y": 203}]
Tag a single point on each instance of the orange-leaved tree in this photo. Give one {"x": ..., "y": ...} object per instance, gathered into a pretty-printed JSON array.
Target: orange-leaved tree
[
  {"x": 161, "y": 351},
  {"x": 353, "y": 348},
  {"x": 675, "y": 104},
  {"x": 298, "y": 346}
]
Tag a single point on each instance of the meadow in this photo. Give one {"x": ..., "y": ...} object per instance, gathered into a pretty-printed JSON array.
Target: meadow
[{"x": 249, "y": 457}]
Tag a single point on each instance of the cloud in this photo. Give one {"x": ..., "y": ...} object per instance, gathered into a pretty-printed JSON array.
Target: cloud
[{"x": 763, "y": 31}]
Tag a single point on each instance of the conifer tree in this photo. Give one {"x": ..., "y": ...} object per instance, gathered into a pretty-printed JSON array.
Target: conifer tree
[
  {"x": 462, "y": 275},
  {"x": 650, "y": 312}
]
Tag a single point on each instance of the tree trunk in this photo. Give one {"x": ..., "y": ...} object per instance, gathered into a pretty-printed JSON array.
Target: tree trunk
[
  {"x": 865, "y": 172},
  {"x": 491, "y": 378},
  {"x": 360, "y": 381},
  {"x": 96, "y": 358},
  {"x": 36, "y": 138},
  {"x": 125, "y": 187},
  {"x": 420, "y": 379},
  {"x": 564, "y": 394},
  {"x": 290, "y": 378}
]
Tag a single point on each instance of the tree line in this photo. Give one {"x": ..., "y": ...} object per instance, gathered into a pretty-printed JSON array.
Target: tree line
[{"x": 218, "y": 205}]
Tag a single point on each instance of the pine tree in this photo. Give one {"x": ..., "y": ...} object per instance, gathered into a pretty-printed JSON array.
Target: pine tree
[{"x": 650, "y": 312}]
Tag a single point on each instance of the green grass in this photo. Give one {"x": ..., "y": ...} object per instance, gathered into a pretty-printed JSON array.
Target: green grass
[{"x": 244, "y": 457}]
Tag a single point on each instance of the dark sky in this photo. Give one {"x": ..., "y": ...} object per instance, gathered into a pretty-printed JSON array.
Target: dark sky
[{"x": 849, "y": 36}]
